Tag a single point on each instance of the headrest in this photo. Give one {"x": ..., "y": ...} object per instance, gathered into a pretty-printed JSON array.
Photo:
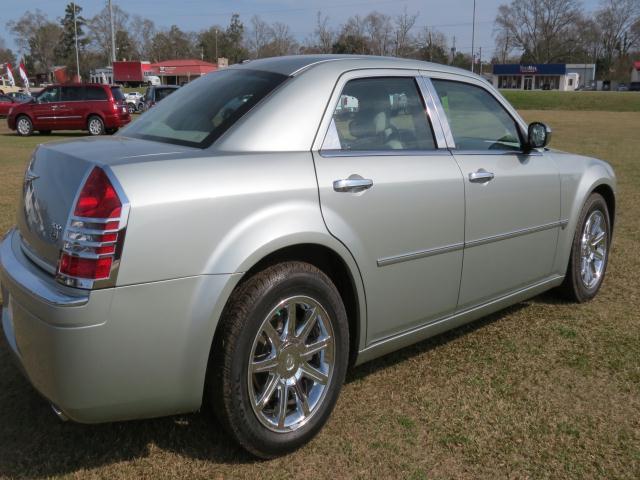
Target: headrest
[{"x": 365, "y": 124}]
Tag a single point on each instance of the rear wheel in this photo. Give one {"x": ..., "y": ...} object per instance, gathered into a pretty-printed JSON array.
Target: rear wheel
[
  {"x": 279, "y": 358},
  {"x": 589, "y": 251},
  {"x": 95, "y": 125},
  {"x": 131, "y": 108},
  {"x": 24, "y": 126}
]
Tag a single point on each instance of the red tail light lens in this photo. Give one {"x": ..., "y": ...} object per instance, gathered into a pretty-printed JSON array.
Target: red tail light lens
[
  {"x": 94, "y": 235},
  {"x": 98, "y": 198}
]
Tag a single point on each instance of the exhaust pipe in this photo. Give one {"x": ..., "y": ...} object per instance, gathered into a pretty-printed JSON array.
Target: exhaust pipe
[{"x": 59, "y": 413}]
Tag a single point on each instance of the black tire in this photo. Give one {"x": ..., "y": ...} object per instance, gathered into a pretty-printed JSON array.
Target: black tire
[
  {"x": 111, "y": 131},
  {"x": 573, "y": 287},
  {"x": 241, "y": 323},
  {"x": 24, "y": 126},
  {"x": 44, "y": 132},
  {"x": 95, "y": 125}
]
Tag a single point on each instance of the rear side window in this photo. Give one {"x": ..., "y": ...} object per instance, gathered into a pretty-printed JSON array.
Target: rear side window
[
  {"x": 381, "y": 113},
  {"x": 72, "y": 94},
  {"x": 199, "y": 113},
  {"x": 96, "y": 93},
  {"x": 117, "y": 94},
  {"x": 477, "y": 120}
]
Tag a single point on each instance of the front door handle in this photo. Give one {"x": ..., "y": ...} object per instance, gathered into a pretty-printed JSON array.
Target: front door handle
[
  {"x": 352, "y": 184},
  {"x": 481, "y": 176}
]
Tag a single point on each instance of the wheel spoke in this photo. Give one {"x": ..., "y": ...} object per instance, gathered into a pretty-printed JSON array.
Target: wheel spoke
[
  {"x": 599, "y": 254},
  {"x": 314, "y": 374},
  {"x": 283, "y": 390},
  {"x": 309, "y": 321},
  {"x": 316, "y": 347},
  {"x": 301, "y": 398},
  {"x": 598, "y": 238},
  {"x": 269, "y": 388},
  {"x": 292, "y": 319},
  {"x": 267, "y": 365},
  {"x": 272, "y": 335}
]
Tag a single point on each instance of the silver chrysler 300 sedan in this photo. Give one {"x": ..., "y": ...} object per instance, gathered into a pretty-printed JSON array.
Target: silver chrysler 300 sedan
[{"x": 270, "y": 224}]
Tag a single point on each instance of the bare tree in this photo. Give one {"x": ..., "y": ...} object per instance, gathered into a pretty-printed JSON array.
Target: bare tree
[
  {"x": 37, "y": 35},
  {"x": 100, "y": 29},
  {"x": 141, "y": 31},
  {"x": 544, "y": 30},
  {"x": 404, "y": 23},
  {"x": 433, "y": 46},
  {"x": 379, "y": 30},
  {"x": 282, "y": 41},
  {"x": 259, "y": 37},
  {"x": 324, "y": 35},
  {"x": 616, "y": 19}
]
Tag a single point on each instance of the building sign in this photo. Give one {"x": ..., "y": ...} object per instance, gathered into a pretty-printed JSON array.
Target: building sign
[{"x": 530, "y": 69}]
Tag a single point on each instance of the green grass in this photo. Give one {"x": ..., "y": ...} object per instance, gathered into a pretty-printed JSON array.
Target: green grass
[
  {"x": 553, "y": 100},
  {"x": 545, "y": 389}
]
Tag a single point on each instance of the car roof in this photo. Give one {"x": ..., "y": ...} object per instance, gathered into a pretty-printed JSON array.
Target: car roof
[{"x": 295, "y": 64}]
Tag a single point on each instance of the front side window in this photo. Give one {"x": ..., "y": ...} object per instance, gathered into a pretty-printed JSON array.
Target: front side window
[
  {"x": 382, "y": 113},
  {"x": 49, "y": 95},
  {"x": 199, "y": 113},
  {"x": 477, "y": 120}
]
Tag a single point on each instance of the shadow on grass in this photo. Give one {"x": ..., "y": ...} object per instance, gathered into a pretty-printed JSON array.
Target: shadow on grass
[{"x": 35, "y": 443}]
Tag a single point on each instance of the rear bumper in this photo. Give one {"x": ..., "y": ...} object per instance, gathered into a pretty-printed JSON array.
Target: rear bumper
[
  {"x": 114, "y": 354},
  {"x": 117, "y": 121}
]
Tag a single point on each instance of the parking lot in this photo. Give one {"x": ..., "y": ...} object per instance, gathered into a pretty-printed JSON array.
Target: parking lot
[{"x": 543, "y": 389}]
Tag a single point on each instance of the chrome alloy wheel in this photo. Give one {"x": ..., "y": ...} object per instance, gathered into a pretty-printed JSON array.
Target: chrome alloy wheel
[
  {"x": 291, "y": 364},
  {"x": 95, "y": 126},
  {"x": 24, "y": 126},
  {"x": 593, "y": 249}
]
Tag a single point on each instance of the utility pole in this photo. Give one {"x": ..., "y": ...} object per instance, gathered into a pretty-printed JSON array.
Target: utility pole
[
  {"x": 430, "y": 47},
  {"x": 473, "y": 35},
  {"x": 480, "y": 58},
  {"x": 453, "y": 50},
  {"x": 75, "y": 31},
  {"x": 113, "y": 34},
  {"x": 216, "y": 46}
]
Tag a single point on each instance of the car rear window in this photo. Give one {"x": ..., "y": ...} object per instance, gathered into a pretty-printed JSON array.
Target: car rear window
[
  {"x": 117, "y": 94},
  {"x": 200, "y": 112}
]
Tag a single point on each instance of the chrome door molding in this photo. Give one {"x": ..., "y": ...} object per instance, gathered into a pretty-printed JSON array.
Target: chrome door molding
[
  {"x": 382, "y": 153},
  {"x": 405, "y": 257},
  {"x": 516, "y": 233}
]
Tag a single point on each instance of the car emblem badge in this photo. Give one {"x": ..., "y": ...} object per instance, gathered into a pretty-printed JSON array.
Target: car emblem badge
[{"x": 54, "y": 233}]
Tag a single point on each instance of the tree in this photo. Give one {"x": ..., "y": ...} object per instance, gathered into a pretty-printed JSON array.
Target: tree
[
  {"x": 233, "y": 44},
  {"x": 616, "y": 20},
  {"x": 259, "y": 37},
  {"x": 37, "y": 35},
  {"x": 171, "y": 44},
  {"x": 404, "y": 23},
  {"x": 352, "y": 38},
  {"x": 379, "y": 30},
  {"x": 6, "y": 54},
  {"x": 124, "y": 46},
  {"x": 546, "y": 31},
  {"x": 433, "y": 46},
  {"x": 324, "y": 35},
  {"x": 100, "y": 28},
  {"x": 66, "y": 49},
  {"x": 282, "y": 41},
  {"x": 141, "y": 31}
]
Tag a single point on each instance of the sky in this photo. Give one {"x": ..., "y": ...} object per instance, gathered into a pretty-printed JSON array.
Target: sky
[{"x": 453, "y": 17}]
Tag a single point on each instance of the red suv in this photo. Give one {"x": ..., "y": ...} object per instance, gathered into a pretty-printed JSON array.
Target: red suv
[{"x": 94, "y": 107}]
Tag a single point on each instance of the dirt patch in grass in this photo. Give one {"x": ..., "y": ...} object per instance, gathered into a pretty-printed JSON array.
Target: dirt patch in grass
[{"x": 544, "y": 389}]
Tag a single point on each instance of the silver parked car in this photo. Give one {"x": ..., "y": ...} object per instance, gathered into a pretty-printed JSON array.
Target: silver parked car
[{"x": 246, "y": 240}]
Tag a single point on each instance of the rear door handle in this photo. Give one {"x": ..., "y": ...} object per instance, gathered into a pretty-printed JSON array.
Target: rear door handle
[
  {"x": 481, "y": 176},
  {"x": 352, "y": 184}
]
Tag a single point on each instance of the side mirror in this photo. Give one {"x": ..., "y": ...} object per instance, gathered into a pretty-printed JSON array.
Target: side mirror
[{"x": 539, "y": 135}]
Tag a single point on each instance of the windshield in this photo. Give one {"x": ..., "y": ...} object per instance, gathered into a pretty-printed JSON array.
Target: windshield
[{"x": 200, "y": 112}]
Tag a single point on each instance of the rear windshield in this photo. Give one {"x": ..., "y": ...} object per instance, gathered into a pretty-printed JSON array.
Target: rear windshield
[
  {"x": 117, "y": 94},
  {"x": 200, "y": 112}
]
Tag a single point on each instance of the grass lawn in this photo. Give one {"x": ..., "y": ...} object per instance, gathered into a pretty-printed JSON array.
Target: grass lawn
[
  {"x": 553, "y": 100},
  {"x": 545, "y": 389}
]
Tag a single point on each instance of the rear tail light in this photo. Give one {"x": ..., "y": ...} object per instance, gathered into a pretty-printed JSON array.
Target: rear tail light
[{"x": 94, "y": 236}]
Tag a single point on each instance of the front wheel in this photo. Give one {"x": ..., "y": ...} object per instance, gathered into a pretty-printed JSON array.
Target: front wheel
[
  {"x": 279, "y": 358},
  {"x": 24, "y": 126},
  {"x": 589, "y": 251}
]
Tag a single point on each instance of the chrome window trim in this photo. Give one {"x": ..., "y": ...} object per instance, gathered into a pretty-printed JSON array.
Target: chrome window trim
[
  {"x": 405, "y": 257},
  {"x": 532, "y": 153},
  {"x": 439, "y": 113},
  {"x": 383, "y": 153}
]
